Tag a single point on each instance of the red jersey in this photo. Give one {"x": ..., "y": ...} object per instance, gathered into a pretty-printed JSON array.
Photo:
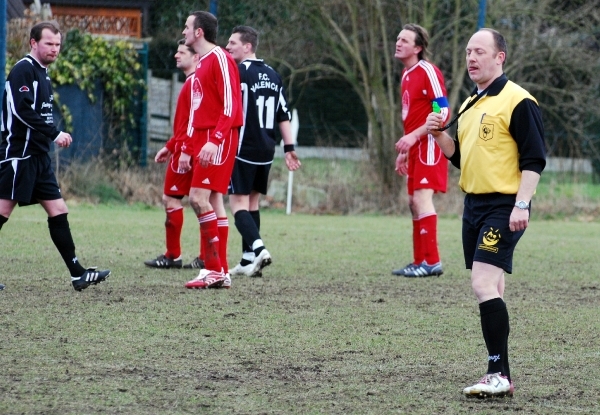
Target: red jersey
[
  {"x": 421, "y": 85},
  {"x": 182, "y": 116},
  {"x": 216, "y": 98}
]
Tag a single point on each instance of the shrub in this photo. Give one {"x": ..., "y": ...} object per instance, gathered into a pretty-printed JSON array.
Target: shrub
[{"x": 87, "y": 59}]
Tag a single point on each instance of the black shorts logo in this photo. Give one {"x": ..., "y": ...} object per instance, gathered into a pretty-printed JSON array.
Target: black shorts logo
[{"x": 490, "y": 239}]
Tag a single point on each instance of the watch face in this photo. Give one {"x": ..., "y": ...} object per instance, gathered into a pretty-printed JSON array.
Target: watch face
[{"x": 522, "y": 205}]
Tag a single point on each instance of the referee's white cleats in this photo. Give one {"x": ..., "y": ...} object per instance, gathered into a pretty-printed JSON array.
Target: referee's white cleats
[{"x": 491, "y": 385}]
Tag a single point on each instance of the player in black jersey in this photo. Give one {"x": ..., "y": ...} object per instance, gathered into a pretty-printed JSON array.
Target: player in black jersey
[
  {"x": 265, "y": 106},
  {"x": 26, "y": 175}
]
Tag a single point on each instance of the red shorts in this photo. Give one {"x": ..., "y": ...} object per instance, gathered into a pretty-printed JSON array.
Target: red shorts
[
  {"x": 217, "y": 174},
  {"x": 177, "y": 184},
  {"x": 427, "y": 167}
]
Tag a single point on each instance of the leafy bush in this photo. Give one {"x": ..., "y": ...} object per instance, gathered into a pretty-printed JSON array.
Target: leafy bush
[{"x": 86, "y": 60}]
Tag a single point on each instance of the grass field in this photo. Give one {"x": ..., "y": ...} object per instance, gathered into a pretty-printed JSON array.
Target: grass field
[{"x": 327, "y": 330}]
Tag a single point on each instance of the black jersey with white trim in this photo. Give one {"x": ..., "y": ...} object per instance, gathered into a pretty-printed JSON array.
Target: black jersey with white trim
[
  {"x": 27, "y": 119},
  {"x": 265, "y": 106}
]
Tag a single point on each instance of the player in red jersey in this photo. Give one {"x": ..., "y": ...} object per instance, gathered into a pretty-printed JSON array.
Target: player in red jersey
[
  {"x": 215, "y": 118},
  {"x": 419, "y": 156},
  {"x": 177, "y": 181}
]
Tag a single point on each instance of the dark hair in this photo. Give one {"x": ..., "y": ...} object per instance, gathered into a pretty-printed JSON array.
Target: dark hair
[
  {"x": 208, "y": 23},
  {"x": 421, "y": 38},
  {"x": 499, "y": 42},
  {"x": 190, "y": 48},
  {"x": 36, "y": 31},
  {"x": 247, "y": 35}
]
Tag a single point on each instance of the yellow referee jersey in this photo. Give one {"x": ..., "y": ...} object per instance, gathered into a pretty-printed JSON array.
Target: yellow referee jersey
[{"x": 501, "y": 135}]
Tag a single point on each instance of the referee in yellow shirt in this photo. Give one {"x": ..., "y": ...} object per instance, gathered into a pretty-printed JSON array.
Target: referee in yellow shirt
[{"x": 500, "y": 150}]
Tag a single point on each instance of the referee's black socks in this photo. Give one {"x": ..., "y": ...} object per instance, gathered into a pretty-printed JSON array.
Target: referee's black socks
[
  {"x": 495, "y": 328},
  {"x": 3, "y": 220},
  {"x": 61, "y": 236}
]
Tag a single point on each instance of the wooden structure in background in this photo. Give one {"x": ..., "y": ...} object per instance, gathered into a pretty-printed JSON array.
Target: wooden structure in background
[
  {"x": 117, "y": 18},
  {"x": 104, "y": 21}
]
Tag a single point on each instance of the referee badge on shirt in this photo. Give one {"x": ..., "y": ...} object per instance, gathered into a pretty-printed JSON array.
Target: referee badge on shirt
[
  {"x": 490, "y": 240},
  {"x": 486, "y": 128}
]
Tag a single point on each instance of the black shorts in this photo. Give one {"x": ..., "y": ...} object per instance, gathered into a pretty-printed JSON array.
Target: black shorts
[
  {"x": 28, "y": 180},
  {"x": 247, "y": 177},
  {"x": 486, "y": 234}
]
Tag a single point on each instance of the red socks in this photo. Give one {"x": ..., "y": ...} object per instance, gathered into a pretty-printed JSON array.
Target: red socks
[
  {"x": 427, "y": 224},
  {"x": 209, "y": 240},
  {"x": 418, "y": 254},
  {"x": 173, "y": 226},
  {"x": 223, "y": 226}
]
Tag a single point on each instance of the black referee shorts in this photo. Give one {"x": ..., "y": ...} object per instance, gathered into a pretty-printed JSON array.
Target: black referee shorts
[
  {"x": 28, "y": 180},
  {"x": 247, "y": 177},
  {"x": 486, "y": 234}
]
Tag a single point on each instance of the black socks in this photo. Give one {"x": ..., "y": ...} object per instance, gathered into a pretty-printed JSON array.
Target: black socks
[
  {"x": 246, "y": 224},
  {"x": 61, "y": 236},
  {"x": 495, "y": 328}
]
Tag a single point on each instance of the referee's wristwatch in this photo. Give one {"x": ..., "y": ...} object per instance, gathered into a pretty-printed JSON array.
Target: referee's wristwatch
[{"x": 521, "y": 204}]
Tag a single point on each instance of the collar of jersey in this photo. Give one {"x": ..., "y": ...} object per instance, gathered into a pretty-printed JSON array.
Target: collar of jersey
[
  {"x": 39, "y": 65},
  {"x": 495, "y": 87}
]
